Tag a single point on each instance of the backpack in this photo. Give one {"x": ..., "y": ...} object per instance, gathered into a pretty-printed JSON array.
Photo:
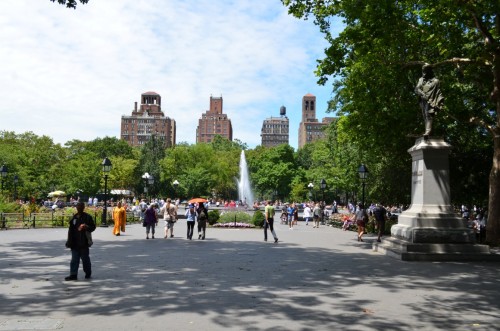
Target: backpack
[{"x": 203, "y": 215}]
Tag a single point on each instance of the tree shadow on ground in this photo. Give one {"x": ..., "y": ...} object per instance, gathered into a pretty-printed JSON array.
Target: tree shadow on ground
[{"x": 250, "y": 285}]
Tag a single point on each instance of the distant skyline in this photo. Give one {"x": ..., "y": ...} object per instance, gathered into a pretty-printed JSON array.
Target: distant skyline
[{"x": 71, "y": 74}]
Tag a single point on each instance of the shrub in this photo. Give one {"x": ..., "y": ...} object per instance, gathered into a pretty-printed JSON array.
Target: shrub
[
  {"x": 235, "y": 216},
  {"x": 258, "y": 218},
  {"x": 213, "y": 217}
]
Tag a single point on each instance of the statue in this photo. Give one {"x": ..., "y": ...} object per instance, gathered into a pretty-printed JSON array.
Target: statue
[{"x": 430, "y": 97}]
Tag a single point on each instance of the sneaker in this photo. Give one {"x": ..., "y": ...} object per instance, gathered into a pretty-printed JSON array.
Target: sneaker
[
  {"x": 152, "y": 237},
  {"x": 117, "y": 234},
  {"x": 171, "y": 236},
  {"x": 70, "y": 278},
  {"x": 275, "y": 240},
  {"x": 147, "y": 237},
  {"x": 88, "y": 276},
  {"x": 199, "y": 236}
]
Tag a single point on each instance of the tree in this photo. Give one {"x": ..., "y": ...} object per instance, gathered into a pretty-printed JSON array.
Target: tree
[
  {"x": 376, "y": 61},
  {"x": 70, "y": 3},
  {"x": 152, "y": 152},
  {"x": 272, "y": 169}
]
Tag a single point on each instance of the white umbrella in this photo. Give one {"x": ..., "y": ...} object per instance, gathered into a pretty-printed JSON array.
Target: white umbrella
[{"x": 56, "y": 194}]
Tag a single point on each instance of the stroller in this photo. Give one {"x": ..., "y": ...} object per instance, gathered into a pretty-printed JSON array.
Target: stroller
[{"x": 284, "y": 216}]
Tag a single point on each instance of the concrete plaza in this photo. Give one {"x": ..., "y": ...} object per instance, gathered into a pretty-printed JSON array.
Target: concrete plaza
[{"x": 313, "y": 279}]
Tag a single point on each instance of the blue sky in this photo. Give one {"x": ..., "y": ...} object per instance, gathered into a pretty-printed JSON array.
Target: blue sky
[{"x": 71, "y": 74}]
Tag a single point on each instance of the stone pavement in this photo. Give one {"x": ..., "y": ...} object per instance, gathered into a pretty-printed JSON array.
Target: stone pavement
[{"x": 313, "y": 279}]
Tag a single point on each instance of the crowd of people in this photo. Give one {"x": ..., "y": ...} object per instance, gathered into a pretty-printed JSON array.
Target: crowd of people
[{"x": 81, "y": 225}]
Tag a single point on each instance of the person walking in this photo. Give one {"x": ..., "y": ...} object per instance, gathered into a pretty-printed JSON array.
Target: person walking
[
  {"x": 291, "y": 215},
  {"x": 307, "y": 213},
  {"x": 150, "y": 219},
  {"x": 316, "y": 214},
  {"x": 79, "y": 243},
  {"x": 269, "y": 220},
  {"x": 120, "y": 218},
  {"x": 190, "y": 218},
  {"x": 361, "y": 218},
  {"x": 169, "y": 211},
  {"x": 380, "y": 214},
  {"x": 202, "y": 216}
]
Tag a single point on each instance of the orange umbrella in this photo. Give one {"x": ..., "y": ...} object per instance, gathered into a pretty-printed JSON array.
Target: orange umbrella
[{"x": 197, "y": 200}]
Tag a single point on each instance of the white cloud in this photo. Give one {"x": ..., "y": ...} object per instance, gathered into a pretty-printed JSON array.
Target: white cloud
[{"x": 71, "y": 74}]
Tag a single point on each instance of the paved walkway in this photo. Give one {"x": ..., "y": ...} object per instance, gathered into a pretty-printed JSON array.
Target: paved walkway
[{"x": 313, "y": 279}]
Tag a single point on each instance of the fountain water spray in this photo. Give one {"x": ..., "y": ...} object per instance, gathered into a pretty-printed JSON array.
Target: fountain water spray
[{"x": 244, "y": 189}]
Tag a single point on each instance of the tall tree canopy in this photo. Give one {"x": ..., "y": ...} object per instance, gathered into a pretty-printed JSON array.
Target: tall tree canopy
[
  {"x": 70, "y": 3},
  {"x": 376, "y": 61}
]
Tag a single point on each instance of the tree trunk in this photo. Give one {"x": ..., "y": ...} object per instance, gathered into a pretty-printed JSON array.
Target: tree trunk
[{"x": 493, "y": 225}]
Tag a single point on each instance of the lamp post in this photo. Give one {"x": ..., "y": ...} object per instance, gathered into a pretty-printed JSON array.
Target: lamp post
[
  {"x": 106, "y": 168},
  {"x": 148, "y": 180},
  {"x": 176, "y": 184},
  {"x": 322, "y": 185},
  {"x": 3, "y": 172},
  {"x": 363, "y": 175},
  {"x": 151, "y": 181},
  {"x": 310, "y": 187},
  {"x": 16, "y": 180}
]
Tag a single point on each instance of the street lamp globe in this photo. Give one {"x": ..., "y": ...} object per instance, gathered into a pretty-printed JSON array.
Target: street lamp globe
[
  {"x": 3, "y": 171},
  {"x": 322, "y": 184},
  {"x": 106, "y": 166},
  {"x": 363, "y": 172}
]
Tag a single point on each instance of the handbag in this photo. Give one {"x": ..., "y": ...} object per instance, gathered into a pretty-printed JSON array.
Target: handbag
[
  {"x": 144, "y": 223},
  {"x": 88, "y": 234}
]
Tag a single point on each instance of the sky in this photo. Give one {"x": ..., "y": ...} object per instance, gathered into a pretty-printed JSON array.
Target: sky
[{"x": 72, "y": 74}]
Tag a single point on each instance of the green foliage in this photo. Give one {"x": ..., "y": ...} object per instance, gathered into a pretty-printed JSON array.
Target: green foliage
[
  {"x": 258, "y": 218},
  {"x": 8, "y": 207},
  {"x": 152, "y": 152},
  {"x": 70, "y": 3},
  {"x": 213, "y": 217},
  {"x": 232, "y": 216}
]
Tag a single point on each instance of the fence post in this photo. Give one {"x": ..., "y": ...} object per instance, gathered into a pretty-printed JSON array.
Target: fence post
[
  {"x": 33, "y": 221},
  {"x": 2, "y": 218}
]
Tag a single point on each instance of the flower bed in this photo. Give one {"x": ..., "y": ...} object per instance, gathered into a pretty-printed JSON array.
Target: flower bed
[{"x": 233, "y": 225}]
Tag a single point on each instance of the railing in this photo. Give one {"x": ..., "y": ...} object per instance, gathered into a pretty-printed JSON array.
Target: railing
[
  {"x": 52, "y": 219},
  {"x": 17, "y": 219}
]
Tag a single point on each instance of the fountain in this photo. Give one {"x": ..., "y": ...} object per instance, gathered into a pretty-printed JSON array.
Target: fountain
[{"x": 244, "y": 189}]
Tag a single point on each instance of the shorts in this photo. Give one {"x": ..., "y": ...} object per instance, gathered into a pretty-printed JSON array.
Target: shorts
[{"x": 169, "y": 225}]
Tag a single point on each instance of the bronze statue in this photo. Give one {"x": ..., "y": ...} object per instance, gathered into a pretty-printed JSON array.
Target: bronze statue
[{"x": 430, "y": 97}]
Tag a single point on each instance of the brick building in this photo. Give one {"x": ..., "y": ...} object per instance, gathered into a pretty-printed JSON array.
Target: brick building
[
  {"x": 310, "y": 129},
  {"x": 148, "y": 120},
  {"x": 275, "y": 130},
  {"x": 214, "y": 122}
]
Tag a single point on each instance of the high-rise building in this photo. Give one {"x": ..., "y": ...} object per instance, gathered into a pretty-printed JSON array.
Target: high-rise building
[
  {"x": 275, "y": 130},
  {"x": 213, "y": 122},
  {"x": 146, "y": 121},
  {"x": 310, "y": 129}
]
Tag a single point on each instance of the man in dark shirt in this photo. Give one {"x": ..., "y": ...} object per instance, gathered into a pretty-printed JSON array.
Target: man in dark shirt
[
  {"x": 380, "y": 214},
  {"x": 79, "y": 242}
]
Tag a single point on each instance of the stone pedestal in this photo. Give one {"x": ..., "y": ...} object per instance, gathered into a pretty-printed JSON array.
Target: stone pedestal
[{"x": 430, "y": 230}]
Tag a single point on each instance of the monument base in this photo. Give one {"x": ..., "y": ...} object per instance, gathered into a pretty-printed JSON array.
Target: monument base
[
  {"x": 430, "y": 230},
  {"x": 407, "y": 251}
]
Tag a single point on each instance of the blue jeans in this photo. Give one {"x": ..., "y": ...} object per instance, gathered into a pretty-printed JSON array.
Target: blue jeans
[{"x": 76, "y": 255}]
